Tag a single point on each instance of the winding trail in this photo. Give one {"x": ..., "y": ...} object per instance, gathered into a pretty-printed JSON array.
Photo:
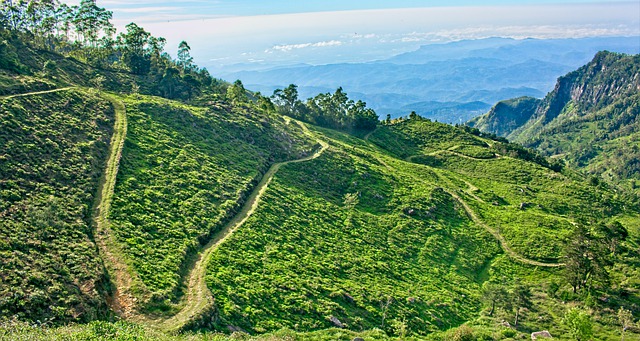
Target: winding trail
[
  {"x": 198, "y": 297},
  {"x": 503, "y": 242},
  {"x": 366, "y": 137},
  {"x": 123, "y": 301},
  {"x": 37, "y": 92},
  {"x": 474, "y": 217}
]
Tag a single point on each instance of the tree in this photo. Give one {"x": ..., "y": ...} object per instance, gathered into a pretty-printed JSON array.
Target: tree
[
  {"x": 265, "y": 104},
  {"x": 133, "y": 45},
  {"x": 90, "y": 21},
  {"x": 13, "y": 14},
  {"x": 236, "y": 93},
  {"x": 612, "y": 234},
  {"x": 579, "y": 324},
  {"x": 494, "y": 295},
  {"x": 362, "y": 118},
  {"x": 520, "y": 298},
  {"x": 287, "y": 100},
  {"x": 586, "y": 259},
  {"x": 184, "y": 57}
]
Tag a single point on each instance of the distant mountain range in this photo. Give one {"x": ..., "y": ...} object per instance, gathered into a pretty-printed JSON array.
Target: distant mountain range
[
  {"x": 590, "y": 119},
  {"x": 449, "y": 75}
]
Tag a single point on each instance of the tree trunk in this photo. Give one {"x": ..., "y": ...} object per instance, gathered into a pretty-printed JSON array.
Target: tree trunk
[
  {"x": 517, "y": 313},
  {"x": 493, "y": 305}
]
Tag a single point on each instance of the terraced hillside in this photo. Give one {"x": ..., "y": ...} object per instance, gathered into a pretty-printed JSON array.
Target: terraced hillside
[
  {"x": 147, "y": 217},
  {"x": 399, "y": 231},
  {"x": 184, "y": 172}
]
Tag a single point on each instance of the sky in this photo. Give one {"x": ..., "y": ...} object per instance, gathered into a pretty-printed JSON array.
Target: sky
[{"x": 237, "y": 34}]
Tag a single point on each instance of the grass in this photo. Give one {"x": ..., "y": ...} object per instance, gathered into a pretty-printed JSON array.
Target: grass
[
  {"x": 54, "y": 146},
  {"x": 184, "y": 172},
  {"x": 403, "y": 256}
]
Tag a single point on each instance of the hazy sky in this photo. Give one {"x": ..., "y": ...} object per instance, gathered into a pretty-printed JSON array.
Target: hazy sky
[{"x": 224, "y": 32}]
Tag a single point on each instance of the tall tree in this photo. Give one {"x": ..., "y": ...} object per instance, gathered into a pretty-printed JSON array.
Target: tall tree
[
  {"x": 90, "y": 21},
  {"x": 520, "y": 299},
  {"x": 236, "y": 93},
  {"x": 14, "y": 14},
  {"x": 494, "y": 295},
  {"x": 184, "y": 56},
  {"x": 133, "y": 45}
]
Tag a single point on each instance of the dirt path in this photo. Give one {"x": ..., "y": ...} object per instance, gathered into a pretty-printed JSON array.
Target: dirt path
[
  {"x": 122, "y": 302},
  {"x": 198, "y": 297},
  {"x": 37, "y": 92},
  {"x": 495, "y": 233},
  {"x": 503, "y": 242}
]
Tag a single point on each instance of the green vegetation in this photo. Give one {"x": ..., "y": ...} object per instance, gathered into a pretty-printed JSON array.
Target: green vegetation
[
  {"x": 184, "y": 172},
  {"x": 335, "y": 110},
  {"x": 417, "y": 230},
  {"x": 345, "y": 240},
  {"x": 53, "y": 149},
  {"x": 589, "y": 120},
  {"x": 506, "y": 116}
]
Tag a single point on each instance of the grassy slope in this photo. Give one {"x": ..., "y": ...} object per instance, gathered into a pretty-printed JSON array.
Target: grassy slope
[
  {"x": 54, "y": 145},
  {"x": 184, "y": 172},
  {"x": 306, "y": 255}
]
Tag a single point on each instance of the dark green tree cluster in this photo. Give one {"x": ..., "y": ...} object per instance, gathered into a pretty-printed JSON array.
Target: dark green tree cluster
[
  {"x": 85, "y": 32},
  {"x": 589, "y": 254},
  {"x": 335, "y": 110},
  {"x": 512, "y": 300},
  {"x": 50, "y": 22}
]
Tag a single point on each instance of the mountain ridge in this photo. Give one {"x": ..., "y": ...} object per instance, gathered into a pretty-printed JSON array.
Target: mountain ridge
[{"x": 595, "y": 106}]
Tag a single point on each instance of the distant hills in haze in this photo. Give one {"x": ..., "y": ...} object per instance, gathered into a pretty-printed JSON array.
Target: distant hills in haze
[{"x": 450, "y": 82}]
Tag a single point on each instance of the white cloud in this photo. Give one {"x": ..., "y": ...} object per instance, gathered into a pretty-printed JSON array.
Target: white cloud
[{"x": 291, "y": 47}]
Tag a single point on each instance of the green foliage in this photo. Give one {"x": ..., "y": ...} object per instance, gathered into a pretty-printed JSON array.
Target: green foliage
[
  {"x": 398, "y": 233},
  {"x": 236, "y": 93},
  {"x": 335, "y": 110},
  {"x": 54, "y": 146},
  {"x": 302, "y": 258},
  {"x": 184, "y": 172},
  {"x": 506, "y": 116},
  {"x": 579, "y": 323},
  {"x": 589, "y": 119}
]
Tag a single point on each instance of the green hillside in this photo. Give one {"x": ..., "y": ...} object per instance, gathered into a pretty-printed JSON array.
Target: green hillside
[
  {"x": 141, "y": 199},
  {"x": 184, "y": 172},
  {"x": 590, "y": 119},
  {"x": 368, "y": 237},
  {"x": 53, "y": 148},
  {"x": 506, "y": 116}
]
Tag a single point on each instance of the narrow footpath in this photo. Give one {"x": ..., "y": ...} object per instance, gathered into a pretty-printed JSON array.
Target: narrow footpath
[
  {"x": 37, "y": 92},
  {"x": 122, "y": 301},
  {"x": 198, "y": 297}
]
